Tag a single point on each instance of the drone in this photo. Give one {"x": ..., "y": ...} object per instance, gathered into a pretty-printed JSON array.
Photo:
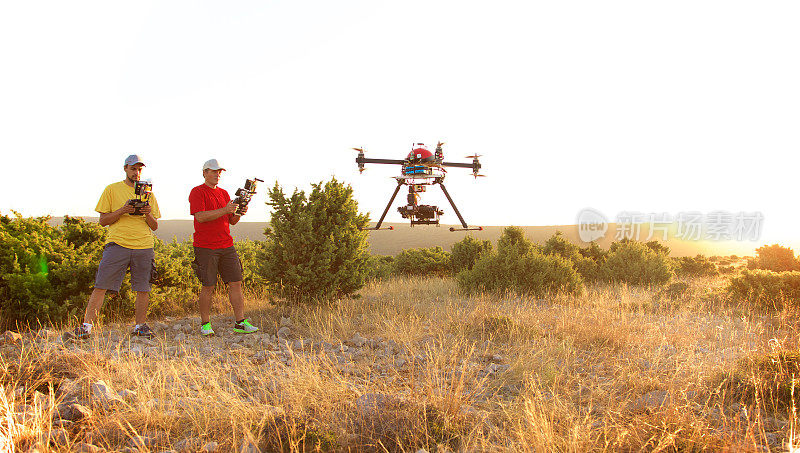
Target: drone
[{"x": 421, "y": 169}]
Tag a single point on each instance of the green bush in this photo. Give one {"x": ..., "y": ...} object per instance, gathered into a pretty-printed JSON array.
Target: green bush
[
  {"x": 698, "y": 266},
  {"x": 46, "y": 273},
  {"x": 466, "y": 252},
  {"x": 774, "y": 258},
  {"x": 586, "y": 261},
  {"x": 531, "y": 274},
  {"x": 316, "y": 250},
  {"x": 637, "y": 264},
  {"x": 423, "y": 262},
  {"x": 513, "y": 237},
  {"x": 380, "y": 267},
  {"x": 766, "y": 289},
  {"x": 520, "y": 267}
]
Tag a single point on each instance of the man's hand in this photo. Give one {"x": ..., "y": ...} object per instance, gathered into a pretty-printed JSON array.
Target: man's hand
[
  {"x": 145, "y": 209},
  {"x": 243, "y": 211},
  {"x": 125, "y": 209},
  {"x": 230, "y": 208}
]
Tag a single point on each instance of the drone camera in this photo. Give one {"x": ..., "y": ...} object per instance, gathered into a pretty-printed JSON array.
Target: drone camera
[
  {"x": 142, "y": 190},
  {"x": 245, "y": 194}
]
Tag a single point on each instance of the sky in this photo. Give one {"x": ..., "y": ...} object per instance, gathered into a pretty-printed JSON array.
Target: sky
[{"x": 618, "y": 106}]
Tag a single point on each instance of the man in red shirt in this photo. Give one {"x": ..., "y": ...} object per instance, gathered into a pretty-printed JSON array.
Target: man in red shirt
[{"x": 214, "y": 254}]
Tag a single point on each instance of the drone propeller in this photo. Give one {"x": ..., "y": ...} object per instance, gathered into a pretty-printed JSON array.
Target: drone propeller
[
  {"x": 474, "y": 156},
  {"x": 477, "y": 175},
  {"x": 360, "y": 150},
  {"x": 439, "y": 144}
]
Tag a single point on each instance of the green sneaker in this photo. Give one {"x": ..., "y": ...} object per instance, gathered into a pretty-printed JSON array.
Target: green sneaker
[
  {"x": 206, "y": 330},
  {"x": 244, "y": 326}
]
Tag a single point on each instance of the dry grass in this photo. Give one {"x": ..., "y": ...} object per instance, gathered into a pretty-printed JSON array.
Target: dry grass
[{"x": 618, "y": 369}]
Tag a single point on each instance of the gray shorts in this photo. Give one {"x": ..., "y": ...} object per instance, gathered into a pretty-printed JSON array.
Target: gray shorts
[
  {"x": 210, "y": 262},
  {"x": 117, "y": 259}
]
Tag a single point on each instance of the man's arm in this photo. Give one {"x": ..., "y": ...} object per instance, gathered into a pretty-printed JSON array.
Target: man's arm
[
  {"x": 207, "y": 216},
  {"x": 107, "y": 218},
  {"x": 234, "y": 218},
  {"x": 151, "y": 221}
]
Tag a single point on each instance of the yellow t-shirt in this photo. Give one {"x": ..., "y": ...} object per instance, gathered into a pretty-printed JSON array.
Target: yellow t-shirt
[{"x": 130, "y": 231}]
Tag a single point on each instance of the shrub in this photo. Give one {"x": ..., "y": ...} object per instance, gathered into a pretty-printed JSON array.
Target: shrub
[
  {"x": 423, "y": 262},
  {"x": 466, "y": 252},
  {"x": 520, "y": 267},
  {"x": 316, "y": 250},
  {"x": 46, "y": 273},
  {"x": 531, "y": 273},
  {"x": 637, "y": 264},
  {"x": 380, "y": 267},
  {"x": 699, "y": 266},
  {"x": 513, "y": 237},
  {"x": 775, "y": 258},
  {"x": 766, "y": 289}
]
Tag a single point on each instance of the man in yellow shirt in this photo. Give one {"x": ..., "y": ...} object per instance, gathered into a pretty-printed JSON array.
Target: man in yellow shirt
[{"x": 129, "y": 245}]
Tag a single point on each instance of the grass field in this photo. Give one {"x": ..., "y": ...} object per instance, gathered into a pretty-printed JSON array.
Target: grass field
[{"x": 413, "y": 364}]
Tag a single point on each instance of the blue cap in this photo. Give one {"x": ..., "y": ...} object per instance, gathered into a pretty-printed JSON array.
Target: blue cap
[{"x": 133, "y": 159}]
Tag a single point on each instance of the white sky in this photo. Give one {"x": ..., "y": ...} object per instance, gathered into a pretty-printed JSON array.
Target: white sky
[{"x": 619, "y": 106}]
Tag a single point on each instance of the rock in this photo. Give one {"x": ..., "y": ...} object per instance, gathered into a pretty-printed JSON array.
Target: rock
[
  {"x": 63, "y": 423},
  {"x": 286, "y": 321},
  {"x": 284, "y": 332},
  {"x": 189, "y": 444},
  {"x": 357, "y": 340},
  {"x": 129, "y": 396},
  {"x": 44, "y": 334},
  {"x": 143, "y": 442},
  {"x": 180, "y": 337},
  {"x": 38, "y": 447},
  {"x": 69, "y": 389},
  {"x": 58, "y": 437},
  {"x": 41, "y": 400},
  {"x": 272, "y": 411},
  {"x": 85, "y": 447},
  {"x": 73, "y": 412},
  {"x": 650, "y": 401},
  {"x": 249, "y": 444},
  {"x": 211, "y": 446},
  {"x": 10, "y": 337},
  {"x": 375, "y": 404},
  {"x": 104, "y": 395}
]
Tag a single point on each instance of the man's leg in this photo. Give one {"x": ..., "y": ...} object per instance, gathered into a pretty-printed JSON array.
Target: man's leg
[
  {"x": 142, "y": 301},
  {"x": 237, "y": 300},
  {"x": 204, "y": 300},
  {"x": 109, "y": 276},
  {"x": 93, "y": 307}
]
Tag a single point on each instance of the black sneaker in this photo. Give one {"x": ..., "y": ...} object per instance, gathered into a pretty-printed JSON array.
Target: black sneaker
[
  {"x": 144, "y": 331},
  {"x": 79, "y": 334}
]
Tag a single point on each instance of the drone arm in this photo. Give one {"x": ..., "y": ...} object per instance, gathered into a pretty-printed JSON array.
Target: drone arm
[
  {"x": 446, "y": 194},
  {"x": 368, "y": 160},
  {"x": 389, "y": 205}
]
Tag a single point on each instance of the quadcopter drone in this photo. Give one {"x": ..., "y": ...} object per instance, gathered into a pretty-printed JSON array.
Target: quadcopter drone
[{"x": 420, "y": 169}]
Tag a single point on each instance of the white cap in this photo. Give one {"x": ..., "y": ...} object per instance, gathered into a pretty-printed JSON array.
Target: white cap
[
  {"x": 133, "y": 159},
  {"x": 212, "y": 164}
]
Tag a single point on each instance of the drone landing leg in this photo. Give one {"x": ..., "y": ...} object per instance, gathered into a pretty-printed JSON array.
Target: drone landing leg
[
  {"x": 463, "y": 223},
  {"x": 385, "y": 211}
]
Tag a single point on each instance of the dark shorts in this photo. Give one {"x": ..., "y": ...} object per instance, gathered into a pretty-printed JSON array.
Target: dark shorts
[
  {"x": 210, "y": 262},
  {"x": 117, "y": 259}
]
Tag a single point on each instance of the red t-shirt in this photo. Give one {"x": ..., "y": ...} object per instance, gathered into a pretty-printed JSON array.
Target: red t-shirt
[{"x": 215, "y": 234}]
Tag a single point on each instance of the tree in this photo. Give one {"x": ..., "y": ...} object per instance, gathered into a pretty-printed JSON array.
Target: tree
[{"x": 316, "y": 250}]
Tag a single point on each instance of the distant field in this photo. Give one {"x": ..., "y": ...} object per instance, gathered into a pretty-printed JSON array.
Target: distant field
[{"x": 387, "y": 242}]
